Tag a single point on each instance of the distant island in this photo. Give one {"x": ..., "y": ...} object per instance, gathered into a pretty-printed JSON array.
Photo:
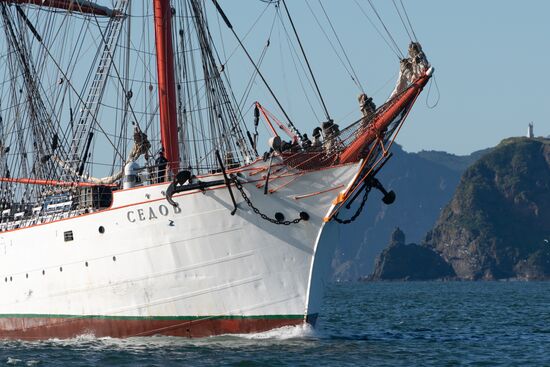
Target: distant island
[{"x": 496, "y": 226}]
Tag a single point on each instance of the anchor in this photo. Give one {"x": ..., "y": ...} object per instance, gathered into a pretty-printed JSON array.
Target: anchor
[
  {"x": 389, "y": 196},
  {"x": 372, "y": 182}
]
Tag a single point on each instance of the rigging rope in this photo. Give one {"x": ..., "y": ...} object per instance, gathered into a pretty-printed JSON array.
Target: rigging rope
[
  {"x": 386, "y": 28},
  {"x": 247, "y": 33},
  {"x": 119, "y": 78},
  {"x": 293, "y": 57},
  {"x": 429, "y": 92},
  {"x": 350, "y": 74},
  {"x": 252, "y": 79},
  {"x": 409, "y": 21},
  {"x": 402, "y": 20},
  {"x": 355, "y": 78},
  {"x": 307, "y": 61},
  {"x": 296, "y": 60},
  {"x": 250, "y": 83},
  {"x": 41, "y": 121},
  {"x": 398, "y": 52},
  {"x": 228, "y": 24}
]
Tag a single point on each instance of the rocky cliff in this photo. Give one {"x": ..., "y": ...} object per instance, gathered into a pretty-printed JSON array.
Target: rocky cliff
[
  {"x": 498, "y": 223},
  {"x": 424, "y": 183}
]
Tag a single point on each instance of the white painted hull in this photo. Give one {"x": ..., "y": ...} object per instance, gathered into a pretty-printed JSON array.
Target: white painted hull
[{"x": 197, "y": 260}]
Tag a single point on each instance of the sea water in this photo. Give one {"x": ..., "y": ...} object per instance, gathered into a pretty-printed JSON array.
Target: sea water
[{"x": 363, "y": 324}]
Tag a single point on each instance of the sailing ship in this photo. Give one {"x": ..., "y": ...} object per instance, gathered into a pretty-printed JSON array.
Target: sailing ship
[{"x": 192, "y": 232}]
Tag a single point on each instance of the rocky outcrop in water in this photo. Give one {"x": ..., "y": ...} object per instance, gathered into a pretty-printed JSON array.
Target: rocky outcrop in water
[
  {"x": 497, "y": 225},
  {"x": 409, "y": 262}
]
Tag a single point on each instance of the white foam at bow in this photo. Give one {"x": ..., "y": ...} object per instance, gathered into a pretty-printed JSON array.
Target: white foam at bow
[{"x": 282, "y": 333}]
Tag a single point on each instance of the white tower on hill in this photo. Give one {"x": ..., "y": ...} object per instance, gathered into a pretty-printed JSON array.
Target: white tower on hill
[{"x": 530, "y": 133}]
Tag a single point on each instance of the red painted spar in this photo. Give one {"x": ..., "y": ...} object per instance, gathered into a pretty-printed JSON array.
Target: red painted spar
[{"x": 381, "y": 123}]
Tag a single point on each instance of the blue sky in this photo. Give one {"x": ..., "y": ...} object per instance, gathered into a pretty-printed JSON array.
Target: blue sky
[{"x": 491, "y": 60}]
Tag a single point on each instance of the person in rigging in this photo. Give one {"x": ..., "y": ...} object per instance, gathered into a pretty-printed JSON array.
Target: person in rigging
[
  {"x": 411, "y": 68},
  {"x": 368, "y": 109},
  {"x": 418, "y": 59},
  {"x": 317, "y": 142},
  {"x": 161, "y": 162},
  {"x": 330, "y": 132},
  {"x": 230, "y": 161},
  {"x": 306, "y": 143}
]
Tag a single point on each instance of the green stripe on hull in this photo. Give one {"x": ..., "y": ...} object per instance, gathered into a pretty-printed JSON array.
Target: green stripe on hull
[{"x": 155, "y": 318}]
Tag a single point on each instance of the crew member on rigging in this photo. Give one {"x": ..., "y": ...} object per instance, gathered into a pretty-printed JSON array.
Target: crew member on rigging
[
  {"x": 330, "y": 132},
  {"x": 317, "y": 142},
  {"x": 161, "y": 162},
  {"x": 368, "y": 109},
  {"x": 411, "y": 68}
]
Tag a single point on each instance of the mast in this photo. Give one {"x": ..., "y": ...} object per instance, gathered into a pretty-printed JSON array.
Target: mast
[{"x": 166, "y": 82}]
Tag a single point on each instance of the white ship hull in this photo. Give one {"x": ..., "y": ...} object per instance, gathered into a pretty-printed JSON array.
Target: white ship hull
[{"x": 194, "y": 270}]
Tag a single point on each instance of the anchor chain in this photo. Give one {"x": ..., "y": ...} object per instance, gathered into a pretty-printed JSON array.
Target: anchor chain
[
  {"x": 359, "y": 210},
  {"x": 265, "y": 217}
]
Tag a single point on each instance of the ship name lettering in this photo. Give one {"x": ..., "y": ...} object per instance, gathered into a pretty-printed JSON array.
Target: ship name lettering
[
  {"x": 150, "y": 213},
  {"x": 163, "y": 210},
  {"x": 130, "y": 219}
]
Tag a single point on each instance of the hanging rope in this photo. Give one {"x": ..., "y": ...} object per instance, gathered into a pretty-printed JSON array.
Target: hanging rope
[
  {"x": 434, "y": 81},
  {"x": 307, "y": 62},
  {"x": 354, "y": 77},
  {"x": 251, "y": 28},
  {"x": 409, "y": 21},
  {"x": 402, "y": 20},
  {"x": 386, "y": 28},
  {"x": 252, "y": 79},
  {"x": 396, "y": 52},
  {"x": 230, "y": 26},
  {"x": 296, "y": 60}
]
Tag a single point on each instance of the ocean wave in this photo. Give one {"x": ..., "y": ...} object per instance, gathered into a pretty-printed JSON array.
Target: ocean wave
[{"x": 282, "y": 333}]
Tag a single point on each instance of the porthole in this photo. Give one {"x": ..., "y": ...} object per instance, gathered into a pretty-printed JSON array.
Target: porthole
[
  {"x": 27, "y": 276},
  {"x": 101, "y": 229},
  {"x": 60, "y": 269},
  {"x": 43, "y": 272},
  {"x": 86, "y": 263},
  {"x": 114, "y": 258},
  {"x": 11, "y": 279}
]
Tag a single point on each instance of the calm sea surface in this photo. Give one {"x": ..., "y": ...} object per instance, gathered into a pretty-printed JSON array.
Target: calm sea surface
[{"x": 373, "y": 324}]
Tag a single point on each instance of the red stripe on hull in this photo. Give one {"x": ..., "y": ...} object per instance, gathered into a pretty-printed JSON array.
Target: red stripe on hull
[{"x": 65, "y": 328}]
